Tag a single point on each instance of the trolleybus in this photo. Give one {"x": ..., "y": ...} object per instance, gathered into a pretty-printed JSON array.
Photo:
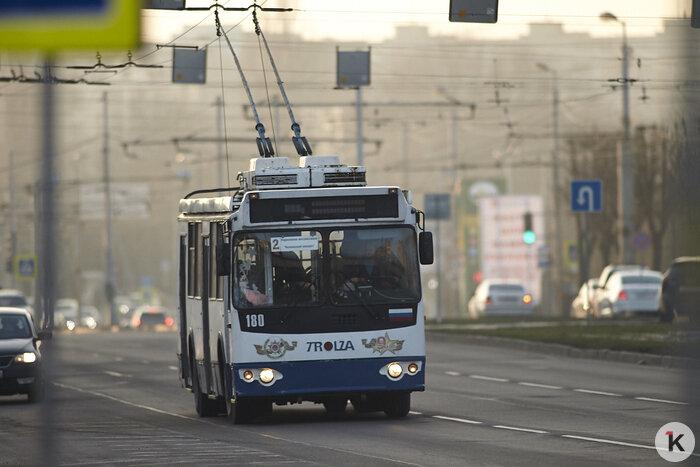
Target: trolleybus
[{"x": 302, "y": 284}]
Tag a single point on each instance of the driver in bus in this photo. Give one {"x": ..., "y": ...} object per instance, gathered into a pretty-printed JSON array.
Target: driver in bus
[{"x": 367, "y": 263}]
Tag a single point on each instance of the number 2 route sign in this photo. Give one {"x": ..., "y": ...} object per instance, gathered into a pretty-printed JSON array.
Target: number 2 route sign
[
  {"x": 586, "y": 196},
  {"x": 54, "y": 25}
]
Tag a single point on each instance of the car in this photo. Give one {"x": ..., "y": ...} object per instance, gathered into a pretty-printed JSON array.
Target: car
[
  {"x": 680, "y": 289},
  {"x": 603, "y": 281},
  {"x": 65, "y": 314},
  {"x": 152, "y": 317},
  {"x": 582, "y": 304},
  {"x": 630, "y": 292},
  {"x": 90, "y": 317},
  {"x": 20, "y": 359},
  {"x": 500, "y": 298},
  {"x": 16, "y": 299}
]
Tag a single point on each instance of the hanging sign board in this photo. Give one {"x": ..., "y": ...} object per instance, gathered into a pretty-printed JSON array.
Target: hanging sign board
[
  {"x": 189, "y": 66},
  {"x": 474, "y": 11},
  {"x": 353, "y": 69},
  {"x": 51, "y": 25}
]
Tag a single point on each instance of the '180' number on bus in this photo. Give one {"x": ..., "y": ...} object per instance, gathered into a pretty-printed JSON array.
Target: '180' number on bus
[{"x": 255, "y": 321}]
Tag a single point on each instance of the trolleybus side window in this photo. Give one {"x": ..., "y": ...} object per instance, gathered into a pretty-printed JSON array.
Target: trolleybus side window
[
  {"x": 191, "y": 258},
  {"x": 216, "y": 282}
]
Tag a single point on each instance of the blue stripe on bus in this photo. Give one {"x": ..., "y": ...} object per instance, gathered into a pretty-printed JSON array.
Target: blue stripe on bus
[{"x": 316, "y": 377}]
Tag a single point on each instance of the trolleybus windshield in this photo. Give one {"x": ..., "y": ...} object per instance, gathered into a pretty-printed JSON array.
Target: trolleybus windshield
[{"x": 325, "y": 266}]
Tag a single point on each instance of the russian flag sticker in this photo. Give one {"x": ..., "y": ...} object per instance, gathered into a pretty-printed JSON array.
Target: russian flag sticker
[{"x": 401, "y": 314}]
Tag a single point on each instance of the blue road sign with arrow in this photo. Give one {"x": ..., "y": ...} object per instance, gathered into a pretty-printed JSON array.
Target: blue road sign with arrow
[{"x": 586, "y": 196}]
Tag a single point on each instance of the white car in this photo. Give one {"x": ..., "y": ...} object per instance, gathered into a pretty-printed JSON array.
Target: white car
[
  {"x": 500, "y": 298},
  {"x": 15, "y": 298},
  {"x": 630, "y": 292},
  {"x": 582, "y": 305}
]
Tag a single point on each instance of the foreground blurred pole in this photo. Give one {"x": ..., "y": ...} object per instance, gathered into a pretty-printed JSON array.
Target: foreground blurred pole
[
  {"x": 626, "y": 157},
  {"x": 46, "y": 272},
  {"x": 686, "y": 206}
]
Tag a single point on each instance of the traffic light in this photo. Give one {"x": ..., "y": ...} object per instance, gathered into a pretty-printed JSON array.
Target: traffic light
[{"x": 528, "y": 234}]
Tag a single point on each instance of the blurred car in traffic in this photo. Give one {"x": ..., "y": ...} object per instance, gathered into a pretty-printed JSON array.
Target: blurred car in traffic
[
  {"x": 602, "y": 282},
  {"x": 16, "y": 299},
  {"x": 629, "y": 292},
  {"x": 152, "y": 317},
  {"x": 65, "y": 314},
  {"x": 583, "y": 302},
  {"x": 90, "y": 317},
  {"x": 500, "y": 298},
  {"x": 20, "y": 359},
  {"x": 680, "y": 289}
]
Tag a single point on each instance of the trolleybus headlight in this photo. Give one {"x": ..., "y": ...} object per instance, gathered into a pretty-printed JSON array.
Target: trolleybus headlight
[
  {"x": 394, "y": 370},
  {"x": 248, "y": 375},
  {"x": 266, "y": 375},
  {"x": 412, "y": 368}
]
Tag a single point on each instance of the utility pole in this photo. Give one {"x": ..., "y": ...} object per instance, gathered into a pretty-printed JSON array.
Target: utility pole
[
  {"x": 557, "y": 247},
  {"x": 109, "y": 285},
  {"x": 360, "y": 143},
  {"x": 13, "y": 227},
  {"x": 626, "y": 157}
]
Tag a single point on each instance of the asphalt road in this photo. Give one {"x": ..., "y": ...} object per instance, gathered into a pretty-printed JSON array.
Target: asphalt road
[{"x": 117, "y": 401}]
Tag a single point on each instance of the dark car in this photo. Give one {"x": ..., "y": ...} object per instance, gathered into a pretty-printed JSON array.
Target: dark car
[
  {"x": 680, "y": 289},
  {"x": 20, "y": 359}
]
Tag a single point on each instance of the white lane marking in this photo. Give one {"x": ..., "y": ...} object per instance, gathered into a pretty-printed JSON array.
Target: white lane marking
[
  {"x": 452, "y": 373},
  {"x": 119, "y": 359},
  {"x": 460, "y": 420},
  {"x": 206, "y": 422},
  {"x": 599, "y": 393},
  {"x": 515, "y": 428},
  {"x": 174, "y": 368},
  {"x": 117, "y": 374},
  {"x": 489, "y": 378},
  {"x": 664, "y": 401},
  {"x": 607, "y": 441},
  {"x": 537, "y": 385},
  {"x": 413, "y": 412},
  {"x": 140, "y": 406}
]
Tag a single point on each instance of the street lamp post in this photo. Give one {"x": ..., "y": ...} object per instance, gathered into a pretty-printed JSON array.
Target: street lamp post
[
  {"x": 626, "y": 157},
  {"x": 559, "y": 269}
]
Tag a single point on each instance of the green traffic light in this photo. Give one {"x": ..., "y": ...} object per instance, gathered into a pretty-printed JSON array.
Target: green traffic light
[{"x": 529, "y": 237}]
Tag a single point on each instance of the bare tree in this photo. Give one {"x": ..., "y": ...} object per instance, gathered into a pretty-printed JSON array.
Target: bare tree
[{"x": 593, "y": 156}]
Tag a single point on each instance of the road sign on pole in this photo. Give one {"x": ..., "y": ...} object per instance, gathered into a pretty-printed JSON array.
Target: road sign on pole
[
  {"x": 586, "y": 196},
  {"x": 25, "y": 267},
  {"x": 437, "y": 206}
]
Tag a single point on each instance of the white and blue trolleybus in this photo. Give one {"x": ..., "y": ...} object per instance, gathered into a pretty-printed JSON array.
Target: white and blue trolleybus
[{"x": 302, "y": 284}]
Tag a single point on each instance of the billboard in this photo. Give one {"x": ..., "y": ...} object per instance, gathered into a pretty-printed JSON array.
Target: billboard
[{"x": 504, "y": 254}]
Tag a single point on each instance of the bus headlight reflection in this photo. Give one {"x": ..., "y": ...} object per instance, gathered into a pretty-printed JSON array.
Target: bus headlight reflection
[
  {"x": 248, "y": 375},
  {"x": 413, "y": 368}
]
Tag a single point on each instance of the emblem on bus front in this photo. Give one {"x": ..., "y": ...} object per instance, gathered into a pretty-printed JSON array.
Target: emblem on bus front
[
  {"x": 383, "y": 344},
  {"x": 275, "y": 347}
]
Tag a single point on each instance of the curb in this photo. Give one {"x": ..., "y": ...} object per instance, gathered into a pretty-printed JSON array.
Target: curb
[{"x": 666, "y": 361}]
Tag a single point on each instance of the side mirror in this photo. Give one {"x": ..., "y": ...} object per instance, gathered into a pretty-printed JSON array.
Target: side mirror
[
  {"x": 44, "y": 335},
  {"x": 223, "y": 259},
  {"x": 425, "y": 247}
]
